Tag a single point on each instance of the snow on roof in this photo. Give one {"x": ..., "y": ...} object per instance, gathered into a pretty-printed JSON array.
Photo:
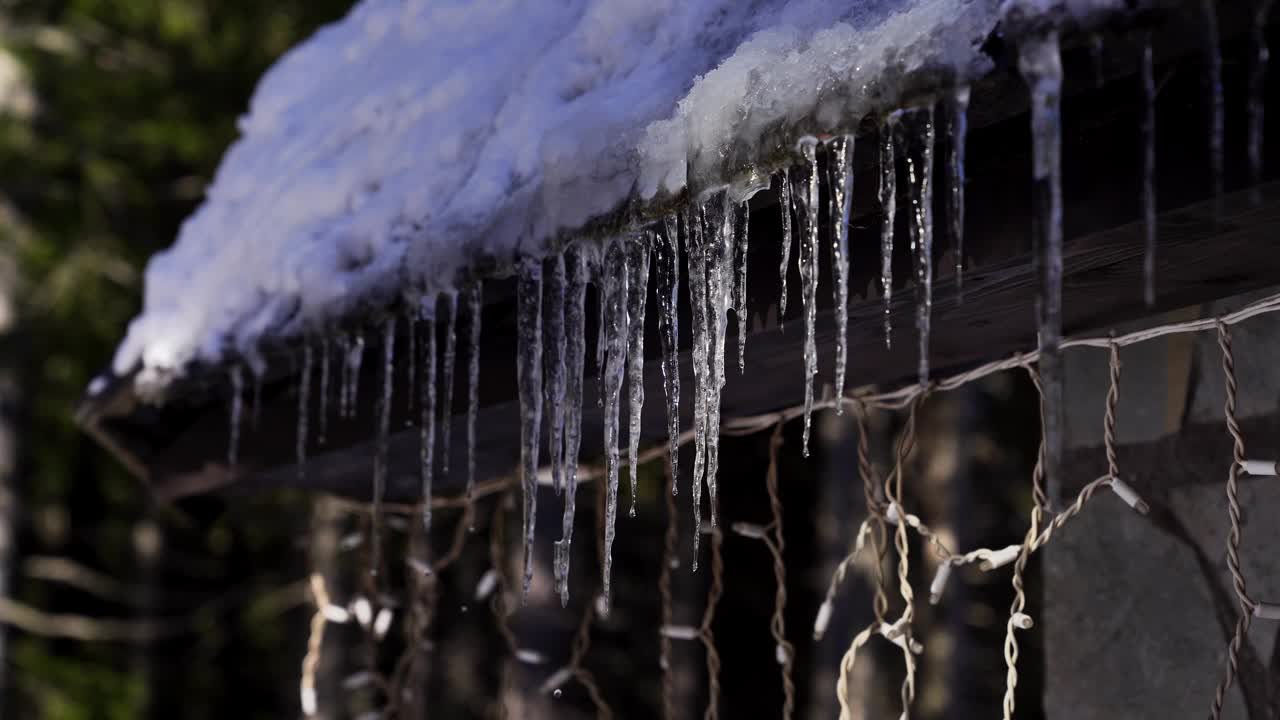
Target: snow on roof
[{"x": 408, "y": 140}]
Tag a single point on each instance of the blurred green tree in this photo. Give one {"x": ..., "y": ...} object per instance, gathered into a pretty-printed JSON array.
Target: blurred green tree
[{"x": 113, "y": 116}]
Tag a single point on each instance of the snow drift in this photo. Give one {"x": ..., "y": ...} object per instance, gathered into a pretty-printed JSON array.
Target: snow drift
[{"x": 395, "y": 148}]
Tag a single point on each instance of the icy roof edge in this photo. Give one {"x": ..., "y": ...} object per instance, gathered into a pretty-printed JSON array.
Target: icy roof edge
[{"x": 736, "y": 123}]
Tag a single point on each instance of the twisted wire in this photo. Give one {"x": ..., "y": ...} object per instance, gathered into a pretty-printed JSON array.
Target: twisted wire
[
  {"x": 704, "y": 630},
  {"x": 875, "y": 510},
  {"x": 664, "y": 590},
  {"x": 906, "y": 445},
  {"x": 422, "y": 615},
  {"x": 581, "y": 645},
  {"x": 1109, "y": 420},
  {"x": 498, "y": 604},
  {"x": 777, "y": 546},
  {"x": 315, "y": 642},
  {"x": 863, "y": 399},
  {"x": 1017, "y": 619},
  {"x": 843, "y": 694},
  {"x": 1247, "y": 603}
]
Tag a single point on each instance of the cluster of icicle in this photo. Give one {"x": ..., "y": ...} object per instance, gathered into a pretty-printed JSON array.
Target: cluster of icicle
[
  {"x": 551, "y": 297},
  {"x": 708, "y": 241},
  {"x": 710, "y": 236}
]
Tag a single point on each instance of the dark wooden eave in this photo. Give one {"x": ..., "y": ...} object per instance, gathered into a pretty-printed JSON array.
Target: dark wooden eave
[{"x": 1207, "y": 250}]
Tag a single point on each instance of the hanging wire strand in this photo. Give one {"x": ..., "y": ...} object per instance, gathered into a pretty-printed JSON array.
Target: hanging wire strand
[
  {"x": 1246, "y": 602},
  {"x": 776, "y": 544},
  {"x": 315, "y": 643},
  {"x": 704, "y": 630},
  {"x": 499, "y": 603},
  {"x": 664, "y": 590},
  {"x": 889, "y": 510}
]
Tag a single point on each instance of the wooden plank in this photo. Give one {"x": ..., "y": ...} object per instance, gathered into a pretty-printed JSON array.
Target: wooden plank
[{"x": 1202, "y": 259}]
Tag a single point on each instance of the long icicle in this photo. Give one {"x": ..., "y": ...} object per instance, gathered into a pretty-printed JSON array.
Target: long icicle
[
  {"x": 427, "y": 405},
  {"x": 344, "y": 374},
  {"x": 920, "y": 179},
  {"x": 383, "y": 443},
  {"x": 529, "y": 379},
  {"x": 695, "y": 254},
  {"x": 410, "y": 367},
  {"x": 553, "y": 288},
  {"x": 806, "y": 201},
  {"x": 450, "y": 360},
  {"x": 1041, "y": 65},
  {"x": 840, "y": 166},
  {"x": 888, "y": 209},
  {"x": 355, "y": 359},
  {"x": 1259, "y": 57},
  {"x": 637, "y": 294},
  {"x": 1148, "y": 130},
  {"x": 575, "y": 327},
  {"x": 959, "y": 132},
  {"x": 742, "y": 228},
  {"x": 475, "y": 304},
  {"x": 599, "y": 270},
  {"x": 1217, "y": 103},
  {"x": 785, "y": 203},
  {"x": 237, "y": 409},
  {"x": 257, "y": 400},
  {"x": 325, "y": 352},
  {"x": 668, "y": 276},
  {"x": 304, "y": 407},
  {"x": 615, "y": 284},
  {"x": 719, "y": 257}
]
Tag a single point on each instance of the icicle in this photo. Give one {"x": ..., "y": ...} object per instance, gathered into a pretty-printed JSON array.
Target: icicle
[
  {"x": 450, "y": 359},
  {"x": 888, "y": 208},
  {"x": 553, "y": 288},
  {"x": 384, "y": 439},
  {"x": 355, "y": 358},
  {"x": 257, "y": 400},
  {"x": 529, "y": 374},
  {"x": 344, "y": 382},
  {"x": 411, "y": 367},
  {"x": 1217, "y": 105},
  {"x": 637, "y": 294},
  {"x": 955, "y": 179},
  {"x": 741, "y": 231},
  {"x": 1260, "y": 55},
  {"x": 615, "y": 285},
  {"x": 575, "y": 342},
  {"x": 695, "y": 254},
  {"x": 1096, "y": 56},
  {"x": 304, "y": 406},
  {"x": 840, "y": 163},
  {"x": 475, "y": 303},
  {"x": 785, "y": 202},
  {"x": 718, "y": 240},
  {"x": 807, "y": 210},
  {"x": 237, "y": 409},
  {"x": 668, "y": 272},
  {"x": 920, "y": 180},
  {"x": 427, "y": 405},
  {"x": 1041, "y": 66},
  {"x": 324, "y": 388},
  {"x": 600, "y": 328},
  {"x": 1148, "y": 172}
]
